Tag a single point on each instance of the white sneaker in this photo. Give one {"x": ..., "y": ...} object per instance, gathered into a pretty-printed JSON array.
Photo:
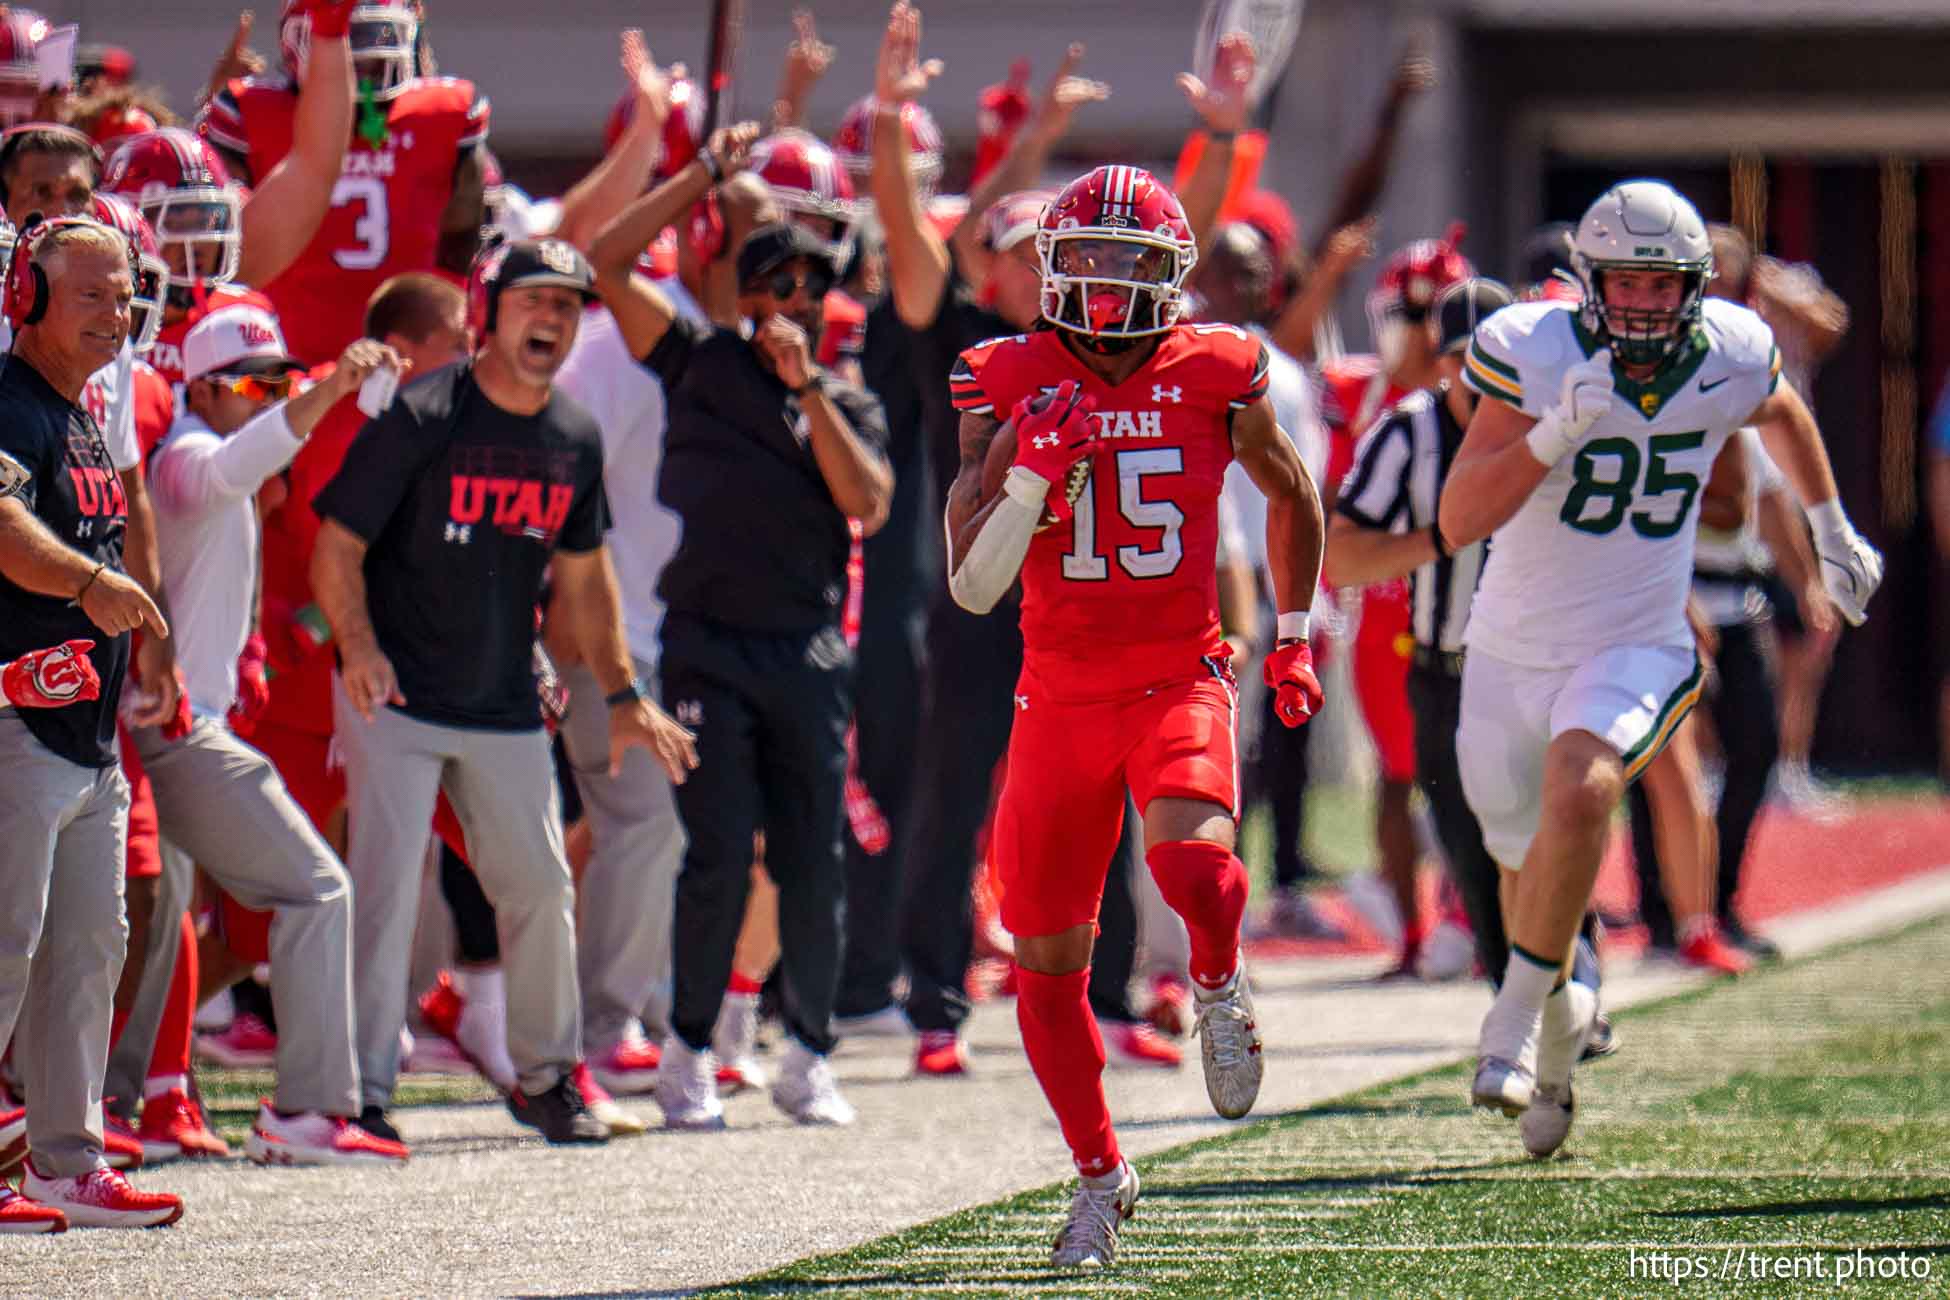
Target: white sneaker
[
  {"x": 482, "y": 1031},
  {"x": 1568, "y": 1017},
  {"x": 1506, "y": 1059},
  {"x": 734, "y": 1040},
  {"x": 1447, "y": 954},
  {"x": 1088, "y": 1238},
  {"x": 101, "y": 1198},
  {"x": 214, "y": 1016},
  {"x": 807, "y": 1091},
  {"x": 888, "y": 1022},
  {"x": 1228, "y": 1043},
  {"x": 687, "y": 1088},
  {"x": 317, "y": 1139}
]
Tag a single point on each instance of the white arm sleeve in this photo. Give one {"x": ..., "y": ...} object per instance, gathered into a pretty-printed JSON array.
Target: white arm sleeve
[{"x": 995, "y": 556}]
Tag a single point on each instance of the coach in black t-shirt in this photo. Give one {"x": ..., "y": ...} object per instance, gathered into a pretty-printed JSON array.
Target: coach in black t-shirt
[
  {"x": 765, "y": 459},
  {"x": 438, "y": 529},
  {"x": 63, "y": 803}
]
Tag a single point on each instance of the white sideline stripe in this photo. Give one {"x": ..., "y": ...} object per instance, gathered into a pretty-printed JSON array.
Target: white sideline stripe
[{"x": 1598, "y": 1247}]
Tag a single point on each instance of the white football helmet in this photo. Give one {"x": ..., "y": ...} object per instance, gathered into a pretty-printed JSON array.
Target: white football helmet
[{"x": 1641, "y": 226}]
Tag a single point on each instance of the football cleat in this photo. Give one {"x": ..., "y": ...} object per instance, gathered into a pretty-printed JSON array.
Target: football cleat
[
  {"x": 1229, "y": 1046},
  {"x": 1088, "y": 1238}
]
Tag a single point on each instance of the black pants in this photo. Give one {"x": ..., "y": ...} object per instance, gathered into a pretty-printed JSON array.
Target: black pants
[
  {"x": 1436, "y": 698},
  {"x": 972, "y": 665},
  {"x": 1277, "y": 774},
  {"x": 770, "y": 713},
  {"x": 1115, "y": 955},
  {"x": 1746, "y": 716},
  {"x": 886, "y": 715}
]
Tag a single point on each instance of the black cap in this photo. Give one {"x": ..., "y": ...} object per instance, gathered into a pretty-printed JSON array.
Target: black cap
[
  {"x": 1465, "y": 305},
  {"x": 771, "y": 246},
  {"x": 546, "y": 261}
]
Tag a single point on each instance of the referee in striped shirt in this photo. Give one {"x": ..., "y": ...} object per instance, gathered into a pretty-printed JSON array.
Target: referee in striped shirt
[{"x": 1384, "y": 526}]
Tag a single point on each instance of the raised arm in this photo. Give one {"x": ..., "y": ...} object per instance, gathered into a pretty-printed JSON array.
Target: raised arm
[
  {"x": 1223, "y": 107},
  {"x": 806, "y": 60},
  {"x": 917, "y": 260},
  {"x": 642, "y": 313},
  {"x": 288, "y": 204},
  {"x": 595, "y": 200},
  {"x": 1362, "y": 183}
]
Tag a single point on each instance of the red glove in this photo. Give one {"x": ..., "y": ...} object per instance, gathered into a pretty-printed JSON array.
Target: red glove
[
  {"x": 52, "y": 678},
  {"x": 330, "y": 19},
  {"x": 1054, "y": 433},
  {"x": 1289, "y": 672},
  {"x": 179, "y": 726},
  {"x": 253, "y": 687}
]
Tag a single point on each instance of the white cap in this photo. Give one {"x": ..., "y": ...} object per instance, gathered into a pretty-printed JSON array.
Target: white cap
[{"x": 238, "y": 339}]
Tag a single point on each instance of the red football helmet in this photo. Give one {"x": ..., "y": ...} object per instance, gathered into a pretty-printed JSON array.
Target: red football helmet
[
  {"x": 385, "y": 38},
  {"x": 119, "y": 123},
  {"x": 809, "y": 183},
  {"x": 1116, "y": 249},
  {"x": 853, "y": 142},
  {"x": 180, "y": 184},
  {"x": 20, "y": 78},
  {"x": 151, "y": 274},
  {"x": 1407, "y": 287},
  {"x": 683, "y": 128}
]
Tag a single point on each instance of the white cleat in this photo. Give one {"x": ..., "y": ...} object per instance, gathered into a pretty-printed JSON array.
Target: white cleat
[
  {"x": 734, "y": 1040},
  {"x": 1506, "y": 1059},
  {"x": 1569, "y": 1014},
  {"x": 807, "y": 1091},
  {"x": 687, "y": 1088},
  {"x": 1089, "y": 1235},
  {"x": 1229, "y": 1046}
]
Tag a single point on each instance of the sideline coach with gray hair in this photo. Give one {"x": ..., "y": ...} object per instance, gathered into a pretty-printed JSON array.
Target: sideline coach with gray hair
[
  {"x": 765, "y": 460},
  {"x": 437, "y": 531},
  {"x": 63, "y": 803}
]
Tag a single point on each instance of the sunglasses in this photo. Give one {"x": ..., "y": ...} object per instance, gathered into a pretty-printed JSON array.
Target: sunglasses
[
  {"x": 259, "y": 388},
  {"x": 782, "y": 284}
]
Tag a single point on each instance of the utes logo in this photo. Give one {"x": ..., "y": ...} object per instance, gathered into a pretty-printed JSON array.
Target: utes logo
[
  {"x": 1130, "y": 424},
  {"x": 558, "y": 256},
  {"x": 256, "y": 334},
  {"x": 61, "y": 675},
  {"x": 519, "y": 504}
]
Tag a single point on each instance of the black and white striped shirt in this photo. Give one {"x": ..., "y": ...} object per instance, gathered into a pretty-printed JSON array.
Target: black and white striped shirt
[{"x": 1396, "y": 482}]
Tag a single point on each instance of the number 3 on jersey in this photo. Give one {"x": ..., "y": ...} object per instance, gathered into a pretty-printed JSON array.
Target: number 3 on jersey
[
  {"x": 1617, "y": 490},
  {"x": 1081, "y": 563},
  {"x": 371, "y": 227}
]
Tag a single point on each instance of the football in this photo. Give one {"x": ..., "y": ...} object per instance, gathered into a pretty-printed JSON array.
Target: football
[{"x": 1002, "y": 454}]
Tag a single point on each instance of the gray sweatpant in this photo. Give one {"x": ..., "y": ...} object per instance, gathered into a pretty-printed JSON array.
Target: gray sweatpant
[
  {"x": 223, "y": 804},
  {"x": 502, "y": 787},
  {"x": 64, "y": 833},
  {"x": 628, "y": 887}
]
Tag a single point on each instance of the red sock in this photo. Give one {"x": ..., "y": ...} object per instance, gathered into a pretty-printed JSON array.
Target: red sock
[
  {"x": 1067, "y": 1054},
  {"x": 1206, "y": 885},
  {"x": 744, "y": 984},
  {"x": 171, "y": 1054}
]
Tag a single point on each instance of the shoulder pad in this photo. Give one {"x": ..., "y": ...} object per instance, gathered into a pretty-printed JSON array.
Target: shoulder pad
[
  {"x": 1740, "y": 335},
  {"x": 1517, "y": 354}
]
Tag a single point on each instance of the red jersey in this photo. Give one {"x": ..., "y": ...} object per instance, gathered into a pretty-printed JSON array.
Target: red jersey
[
  {"x": 1355, "y": 393},
  {"x": 301, "y": 689},
  {"x": 1125, "y": 595},
  {"x": 386, "y": 208},
  {"x": 155, "y": 408},
  {"x": 167, "y": 355}
]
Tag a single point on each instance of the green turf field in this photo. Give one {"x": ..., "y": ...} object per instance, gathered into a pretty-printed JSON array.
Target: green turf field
[{"x": 1795, "y": 1121}]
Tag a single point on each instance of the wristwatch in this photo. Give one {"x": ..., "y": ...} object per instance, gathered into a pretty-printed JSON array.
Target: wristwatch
[
  {"x": 811, "y": 385},
  {"x": 633, "y": 693}
]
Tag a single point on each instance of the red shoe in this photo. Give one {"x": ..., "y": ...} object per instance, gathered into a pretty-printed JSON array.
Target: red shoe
[
  {"x": 20, "y": 1215},
  {"x": 102, "y": 1199},
  {"x": 620, "y": 1122},
  {"x": 121, "y": 1148},
  {"x": 172, "y": 1125},
  {"x": 941, "y": 1052},
  {"x": 630, "y": 1067},
  {"x": 317, "y": 1139},
  {"x": 248, "y": 1044},
  {"x": 1171, "y": 1005},
  {"x": 1137, "y": 1043},
  {"x": 1708, "y": 950},
  {"x": 13, "y": 1140}
]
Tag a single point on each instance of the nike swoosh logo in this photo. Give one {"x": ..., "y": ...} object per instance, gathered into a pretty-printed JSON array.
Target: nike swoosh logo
[{"x": 1705, "y": 387}]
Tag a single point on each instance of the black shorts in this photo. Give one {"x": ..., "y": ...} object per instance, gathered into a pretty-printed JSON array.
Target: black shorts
[{"x": 1787, "y": 606}]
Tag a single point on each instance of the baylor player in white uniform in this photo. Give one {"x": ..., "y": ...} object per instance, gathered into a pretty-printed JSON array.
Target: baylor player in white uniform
[{"x": 1585, "y": 471}]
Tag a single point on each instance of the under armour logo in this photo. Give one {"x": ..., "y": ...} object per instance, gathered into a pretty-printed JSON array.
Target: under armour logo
[
  {"x": 689, "y": 712},
  {"x": 1022, "y": 701},
  {"x": 1044, "y": 440},
  {"x": 462, "y": 533},
  {"x": 1174, "y": 394}
]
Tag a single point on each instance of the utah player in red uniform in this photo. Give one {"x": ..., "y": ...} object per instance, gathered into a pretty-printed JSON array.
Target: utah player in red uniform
[
  {"x": 1358, "y": 391},
  {"x": 409, "y": 196},
  {"x": 1125, "y": 679}
]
